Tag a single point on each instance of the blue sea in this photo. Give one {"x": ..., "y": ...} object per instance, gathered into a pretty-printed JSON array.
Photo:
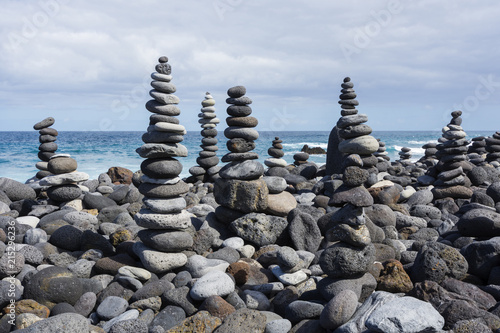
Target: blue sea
[{"x": 96, "y": 152}]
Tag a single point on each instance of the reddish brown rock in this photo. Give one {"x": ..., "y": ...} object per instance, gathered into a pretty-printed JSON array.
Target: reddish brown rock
[
  {"x": 217, "y": 307},
  {"x": 30, "y": 306},
  {"x": 240, "y": 271},
  {"x": 393, "y": 278},
  {"x": 120, "y": 175}
]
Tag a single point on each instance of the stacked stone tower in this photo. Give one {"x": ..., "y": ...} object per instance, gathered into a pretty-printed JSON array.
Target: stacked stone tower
[
  {"x": 164, "y": 214},
  {"x": 276, "y": 152},
  {"x": 493, "y": 147},
  {"x": 241, "y": 187},
  {"x": 208, "y": 160},
  {"x": 48, "y": 145},
  {"x": 453, "y": 165},
  {"x": 405, "y": 155}
]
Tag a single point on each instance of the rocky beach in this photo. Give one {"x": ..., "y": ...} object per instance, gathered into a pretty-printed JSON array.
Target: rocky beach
[{"x": 360, "y": 244}]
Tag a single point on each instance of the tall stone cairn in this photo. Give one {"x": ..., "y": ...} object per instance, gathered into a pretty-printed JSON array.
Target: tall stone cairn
[
  {"x": 241, "y": 187},
  {"x": 453, "y": 164},
  {"x": 207, "y": 169},
  {"x": 164, "y": 215},
  {"x": 493, "y": 147},
  {"x": 48, "y": 145}
]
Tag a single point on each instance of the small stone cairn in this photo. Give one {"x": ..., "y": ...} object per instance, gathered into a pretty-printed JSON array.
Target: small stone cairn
[
  {"x": 241, "y": 187},
  {"x": 164, "y": 215},
  {"x": 405, "y": 155},
  {"x": 493, "y": 148},
  {"x": 276, "y": 152},
  {"x": 300, "y": 158},
  {"x": 453, "y": 164},
  {"x": 477, "y": 152},
  {"x": 48, "y": 145},
  {"x": 207, "y": 169}
]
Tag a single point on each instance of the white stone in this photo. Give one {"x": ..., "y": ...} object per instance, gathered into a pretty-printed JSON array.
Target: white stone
[
  {"x": 382, "y": 183},
  {"x": 288, "y": 278},
  {"x": 170, "y": 181},
  {"x": 211, "y": 284},
  {"x": 28, "y": 220},
  {"x": 60, "y": 155},
  {"x": 161, "y": 77},
  {"x": 234, "y": 242},
  {"x": 64, "y": 178},
  {"x": 42, "y": 165},
  {"x": 169, "y": 127},
  {"x": 156, "y": 261},
  {"x": 135, "y": 272},
  {"x": 247, "y": 251},
  {"x": 164, "y": 98},
  {"x": 275, "y": 162}
]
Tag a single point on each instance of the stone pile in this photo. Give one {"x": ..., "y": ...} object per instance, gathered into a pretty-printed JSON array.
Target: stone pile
[
  {"x": 276, "y": 152},
  {"x": 350, "y": 254},
  {"x": 300, "y": 158},
  {"x": 164, "y": 215},
  {"x": 451, "y": 180},
  {"x": 493, "y": 148},
  {"x": 207, "y": 170},
  {"x": 48, "y": 145},
  {"x": 429, "y": 158},
  {"x": 354, "y": 134},
  {"x": 381, "y": 152},
  {"x": 405, "y": 155},
  {"x": 241, "y": 187}
]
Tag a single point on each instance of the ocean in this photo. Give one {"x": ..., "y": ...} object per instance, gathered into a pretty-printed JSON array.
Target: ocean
[{"x": 95, "y": 152}]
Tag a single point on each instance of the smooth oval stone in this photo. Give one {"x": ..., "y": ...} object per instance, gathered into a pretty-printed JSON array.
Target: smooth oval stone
[
  {"x": 242, "y": 121},
  {"x": 156, "y": 261},
  {"x": 362, "y": 145},
  {"x": 162, "y": 150},
  {"x": 61, "y": 165},
  {"x": 157, "y": 118},
  {"x": 161, "y": 168},
  {"x": 45, "y": 155},
  {"x": 167, "y": 181},
  {"x": 162, "y": 137},
  {"x": 207, "y": 109},
  {"x": 165, "y": 206},
  {"x": 276, "y": 153},
  {"x": 48, "y": 146},
  {"x": 161, "y": 77},
  {"x": 163, "y": 191},
  {"x": 48, "y": 131},
  {"x": 151, "y": 220},
  {"x": 352, "y": 120},
  {"x": 64, "y": 178},
  {"x": 197, "y": 171},
  {"x": 160, "y": 108},
  {"x": 42, "y": 165},
  {"x": 275, "y": 162},
  {"x": 166, "y": 241},
  {"x": 249, "y": 134},
  {"x": 208, "y": 126},
  {"x": 301, "y": 157},
  {"x": 209, "y": 141},
  {"x": 208, "y": 102},
  {"x": 47, "y": 138},
  {"x": 239, "y": 145},
  {"x": 239, "y": 157},
  {"x": 168, "y": 127},
  {"x": 47, "y": 122},
  {"x": 275, "y": 184},
  {"x": 246, "y": 170},
  {"x": 209, "y": 132},
  {"x": 213, "y": 121},
  {"x": 135, "y": 272},
  {"x": 207, "y": 162},
  {"x": 207, "y": 115},
  {"x": 236, "y": 91},
  {"x": 165, "y": 87},
  {"x": 354, "y": 131},
  {"x": 209, "y": 148},
  {"x": 164, "y": 98},
  {"x": 239, "y": 100},
  {"x": 239, "y": 110},
  {"x": 213, "y": 283},
  {"x": 64, "y": 193}
]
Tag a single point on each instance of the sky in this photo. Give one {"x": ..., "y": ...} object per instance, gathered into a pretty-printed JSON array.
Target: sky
[{"x": 88, "y": 63}]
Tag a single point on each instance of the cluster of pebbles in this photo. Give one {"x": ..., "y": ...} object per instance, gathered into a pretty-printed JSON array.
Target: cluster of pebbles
[
  {"x": 268, "y": 251},
  {"x": 207, "y": 170},
  {"x": 48, "y": 145}
]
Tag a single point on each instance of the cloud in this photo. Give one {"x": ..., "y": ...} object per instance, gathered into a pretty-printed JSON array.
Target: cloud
[{"x": 90, "y": 62}]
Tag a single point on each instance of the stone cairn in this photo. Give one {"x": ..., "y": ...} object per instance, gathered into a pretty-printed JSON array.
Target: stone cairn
[
  {"x": 493, "y": 148},
  {"x": 207, "y": 169},
  {"x": 241, "y": 187},
  {"x": 350, "y": 253},
  {"x": 405, "y": 155},
  {"x": 48, "y": 145},
  {"x": 164, "y": 215},
  {"x": 477, "y": 152},
  {"x": 276, "y": 152},
  {"x": 429, "y": 159},
  {"x": 453, "y": 164},
  {"x": 300, "y": 158}
]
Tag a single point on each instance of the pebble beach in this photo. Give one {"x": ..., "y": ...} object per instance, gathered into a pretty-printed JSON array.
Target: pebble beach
[{"x": 248, "y": 241}]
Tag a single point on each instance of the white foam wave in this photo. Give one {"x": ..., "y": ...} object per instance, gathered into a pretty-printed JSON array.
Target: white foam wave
[
  {"x": 420, "y": 142},
  {"x": 301, "y": 144}
]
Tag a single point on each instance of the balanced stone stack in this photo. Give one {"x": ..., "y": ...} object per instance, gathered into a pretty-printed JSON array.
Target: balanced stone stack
[
  {"x": 405, "y": 155},
  {"x": 429, "y": 157},
  {"x": 477, "y": 152},
  {"x": 276, "y": 152},
  {"x": 381, "y": 152},
  {"x": 350, "y": 253},
  {"x": 164, "y": 215},
  {"x": 241, "y": 186},
  {"x": 207, "y": 169},
  {"x": 62, "y": 183},
  {"x": 353, "y": 131},
  {"x": 300, "y": 158},
  {"x": 48, "y": 145},
  {"x": 493, "y": 148},
  {"x": 453, "y": 165}
]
